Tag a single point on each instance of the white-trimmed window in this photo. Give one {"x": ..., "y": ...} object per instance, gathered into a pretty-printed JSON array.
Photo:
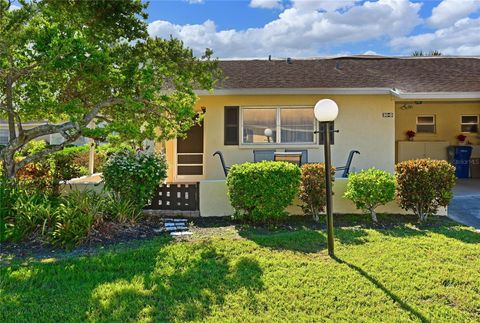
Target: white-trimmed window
[
  {"x": 426, "y": 124},
  {"x": 4, "y": 136},
  {"x": 469, "y": 123},
  {"x": 288, "y": 125}
]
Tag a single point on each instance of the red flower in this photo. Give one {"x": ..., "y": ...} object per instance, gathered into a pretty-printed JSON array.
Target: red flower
[
  {"x": 461, "y": 137},
  {"x": 411, "y": 133}
]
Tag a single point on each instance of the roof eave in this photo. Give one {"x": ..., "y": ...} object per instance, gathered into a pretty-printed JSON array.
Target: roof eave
[
  {"x": 298, "y": 91},
  {"x": 342, "y": 91},
  {"x": 436, "y": 95}
]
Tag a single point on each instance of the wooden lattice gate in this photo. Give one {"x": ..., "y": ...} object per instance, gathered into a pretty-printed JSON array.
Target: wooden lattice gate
[{"x": 176, "y": 197}]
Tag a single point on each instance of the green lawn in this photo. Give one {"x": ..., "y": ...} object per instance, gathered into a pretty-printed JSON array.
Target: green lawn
[{"x": 404, "y": 273}]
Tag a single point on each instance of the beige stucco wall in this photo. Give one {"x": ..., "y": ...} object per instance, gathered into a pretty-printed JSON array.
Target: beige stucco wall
[
  {"x": 360, "y": 121},
  {"x": 448, "y": 118},
  {"x": 214, "y": 201}
]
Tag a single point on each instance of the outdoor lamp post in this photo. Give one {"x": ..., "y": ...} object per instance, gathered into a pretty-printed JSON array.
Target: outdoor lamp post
[
  {"x": 326, "y": 111},
  {"x": 268, "y": 133}
]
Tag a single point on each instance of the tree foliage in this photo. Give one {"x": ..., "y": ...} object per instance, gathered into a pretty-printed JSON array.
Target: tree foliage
[
  {"x": 74, "y": 63},
  {"x": 418, "y": 53},
  {"x": 369, "y": 189}
]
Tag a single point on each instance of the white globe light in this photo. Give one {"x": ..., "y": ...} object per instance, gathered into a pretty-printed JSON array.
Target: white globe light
[
  {"x": 326, "y": 110},
  {"x": 268, "y": 132}
]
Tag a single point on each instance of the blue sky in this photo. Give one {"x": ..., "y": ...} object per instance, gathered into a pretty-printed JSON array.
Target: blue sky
[{"x": 303, "y": 28}]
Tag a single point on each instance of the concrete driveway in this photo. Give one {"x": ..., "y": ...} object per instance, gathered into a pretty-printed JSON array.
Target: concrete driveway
[{"x": 465, "y": 206}]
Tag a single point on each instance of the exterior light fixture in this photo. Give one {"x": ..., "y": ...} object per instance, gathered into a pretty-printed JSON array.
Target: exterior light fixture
[
  {"x": 268, "y": 133},
  {"x": 326, "y": 111}
]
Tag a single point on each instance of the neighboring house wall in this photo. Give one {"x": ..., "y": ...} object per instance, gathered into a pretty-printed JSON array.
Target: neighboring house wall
[
  {"x": 53, "y": 139},
  {"x": 360, "y": 121},
  {"x": 447, "y": 116}
]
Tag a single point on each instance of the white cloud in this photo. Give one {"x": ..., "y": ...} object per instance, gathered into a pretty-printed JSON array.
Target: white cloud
[
  {"x": 266, "y": 4},
  {"x": 324, "y": 5},
  {"x": 450, "y": 11},
  {"x": 370, "y": 52},
  {"x": 195, "y": 1},
  {"x": 460, "y": 39},
  {"x": 299, "y": 31}
]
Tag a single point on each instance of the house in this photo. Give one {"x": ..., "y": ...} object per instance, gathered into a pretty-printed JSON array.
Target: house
[{"x": 379, "y": 99}]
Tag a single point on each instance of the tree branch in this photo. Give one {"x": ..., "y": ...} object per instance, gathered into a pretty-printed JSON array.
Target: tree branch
[
  {"x": 96, "y": 109},
  {"x": 45, "y": 152}
]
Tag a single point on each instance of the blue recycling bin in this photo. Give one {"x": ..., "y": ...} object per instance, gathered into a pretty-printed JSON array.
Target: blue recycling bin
[{"x": 459, "y": 156}]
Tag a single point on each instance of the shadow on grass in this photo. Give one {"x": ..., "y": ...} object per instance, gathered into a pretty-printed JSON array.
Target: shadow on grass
[
  {"x": 302, "y": 240},
  {"x": 458, "y": 232},
  {"x": 351, "y": 236},
  {"x": 384, "y": 289},
  {"x": 184, "y": 286},
  {"x": 160, "y": 281}
]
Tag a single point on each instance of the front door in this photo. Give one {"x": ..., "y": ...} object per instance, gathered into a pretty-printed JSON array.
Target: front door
[{"x": 189, "y": 156}]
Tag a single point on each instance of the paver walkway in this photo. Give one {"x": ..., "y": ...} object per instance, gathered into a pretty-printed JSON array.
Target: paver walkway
[{"x": 465, "y": 206}]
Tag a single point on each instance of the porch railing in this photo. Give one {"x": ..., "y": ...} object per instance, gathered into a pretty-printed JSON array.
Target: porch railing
[{"x": 176, "y": 197}]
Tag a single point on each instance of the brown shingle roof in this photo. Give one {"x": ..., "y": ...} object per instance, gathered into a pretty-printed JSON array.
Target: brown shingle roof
[{"x": 433, "y": 74}]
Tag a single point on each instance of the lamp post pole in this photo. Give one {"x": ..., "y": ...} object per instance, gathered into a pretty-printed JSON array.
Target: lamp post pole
[
  {"x": 328, "y": 185},
  {"x": 326, "y": 111}
]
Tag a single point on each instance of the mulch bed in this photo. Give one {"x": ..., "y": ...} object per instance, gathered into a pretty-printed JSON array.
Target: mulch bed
[
  {"x": 103, "y": 235},
  {"x": 111, "y": 234}
]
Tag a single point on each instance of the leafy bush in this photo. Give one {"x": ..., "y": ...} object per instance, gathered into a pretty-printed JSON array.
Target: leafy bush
[
  {"x": 33, "y": 147},
  {"x": 121, "y": 210},
  {"x": 134, "y": 176},
  {"x": 313, "y": 189},
  {"x": 38, "y": 177},
  {"x": 8, "y": 197},
  {"x": 35, "y": 214},
  {"x": 424, "y": 185},
  {"x": 72, "y": 224},
  {"x": 64, "y": 221},
  {"x": 261, "y": 191},
  {"x": 369, "y": 189}
]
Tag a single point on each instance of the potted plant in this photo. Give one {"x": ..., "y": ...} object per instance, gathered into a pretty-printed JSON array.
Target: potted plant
[
  {"x": 411, "y": 134},
  {"x": 461, "y": 139}
]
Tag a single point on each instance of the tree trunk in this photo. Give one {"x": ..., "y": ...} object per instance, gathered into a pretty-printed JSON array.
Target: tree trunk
[
  {"x": 9, "y": 106},
  {"x": 9, "y": 165},
  {"x": 374, "y": 216}
]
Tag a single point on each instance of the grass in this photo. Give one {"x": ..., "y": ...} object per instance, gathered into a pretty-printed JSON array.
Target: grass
[{"x": 400, "y": 273}]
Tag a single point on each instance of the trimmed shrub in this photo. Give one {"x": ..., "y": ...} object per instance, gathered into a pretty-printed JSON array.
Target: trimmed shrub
[
  {"x": 313, "y": 189},
  {"x": 424, "y": 185},
  {"x": 260, "y": 192},
  {"x": 369, "y": 189},
  {"x": 134, "y": 176}
]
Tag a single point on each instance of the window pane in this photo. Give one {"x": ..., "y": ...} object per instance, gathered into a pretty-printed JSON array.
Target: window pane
[
  {"x": 297, "y": 125},
  {"x": 190, "y": 170},
  {"x": 425, "y": 128},
  {"x": 470, "y": 128},
  {"x": 190, "y": 159},
  {"x": 470, "y": 119},
  {"x": 425, "y": 120},
  {"x": 255, "y": 121}
]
